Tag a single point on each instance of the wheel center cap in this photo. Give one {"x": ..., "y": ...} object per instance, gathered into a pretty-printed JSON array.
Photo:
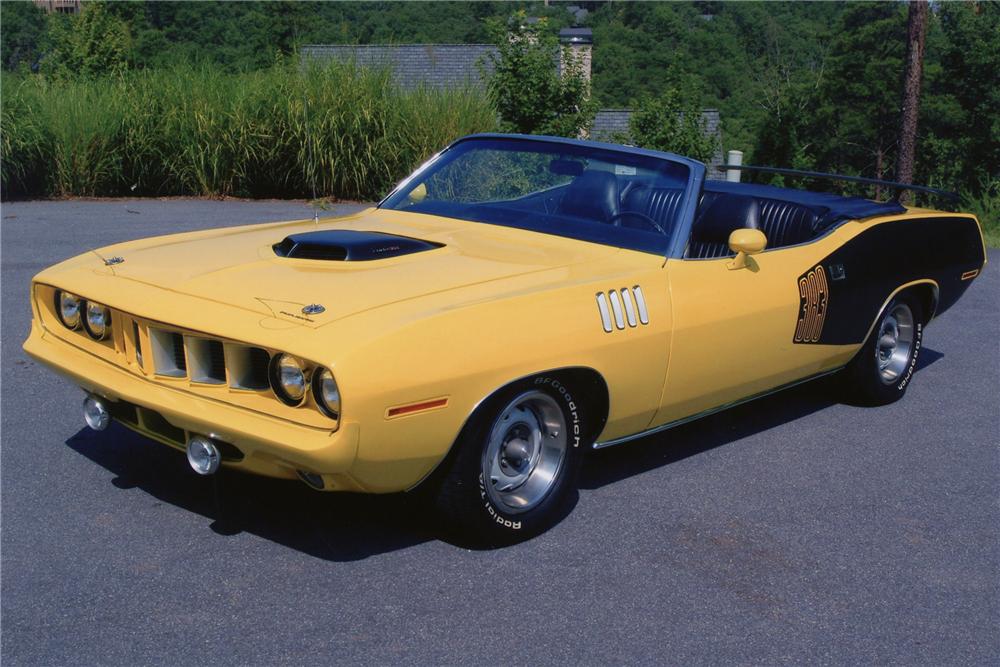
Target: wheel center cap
[{"x": 516, "y": 452}]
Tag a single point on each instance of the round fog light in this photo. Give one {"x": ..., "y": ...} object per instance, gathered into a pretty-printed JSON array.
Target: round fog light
[
  {"x": 203, "y": 455},
  {"x": 95, "y": 413}
]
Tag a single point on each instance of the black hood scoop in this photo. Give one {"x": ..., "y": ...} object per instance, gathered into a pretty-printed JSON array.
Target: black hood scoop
[{"x": 347, "y": 245}]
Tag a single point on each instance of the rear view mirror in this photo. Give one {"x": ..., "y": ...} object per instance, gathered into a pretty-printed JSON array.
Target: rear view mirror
[{"x": 566, "y": 167}]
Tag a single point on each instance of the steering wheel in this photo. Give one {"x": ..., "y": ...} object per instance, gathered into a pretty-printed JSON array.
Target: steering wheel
[{"x": 616, "y": 220}]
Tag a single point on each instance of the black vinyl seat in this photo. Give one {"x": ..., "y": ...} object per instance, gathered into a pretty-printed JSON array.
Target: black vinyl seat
[
  {"x": 593, "y": 195},
  {"x": 718, "y": 216},
  {"x": 787, "y": 223},
  {"x": 660, "y": 204}
]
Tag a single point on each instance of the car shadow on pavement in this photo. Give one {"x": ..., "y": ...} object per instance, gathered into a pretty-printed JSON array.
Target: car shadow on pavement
[
  {"x": 331, "y": 526},
  {"x": 348, "y": 527},
  {"x": 606, "y": 466}
]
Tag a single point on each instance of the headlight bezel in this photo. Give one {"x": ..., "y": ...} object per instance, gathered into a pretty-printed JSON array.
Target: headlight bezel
[
  {"x": 80, "y": 305},
  {"x": 274, "y": 375},
  {"x": 88, "y": 326},
  {"x": 319, "y": 377}
]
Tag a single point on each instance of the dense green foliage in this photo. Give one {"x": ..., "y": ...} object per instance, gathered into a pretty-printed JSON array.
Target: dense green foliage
[
  {"x": 809, "y": 85},
  {"x": 196, "y": 130},
  {"x": 529, "y": 93},
  {"x": 668, "y": 122}
]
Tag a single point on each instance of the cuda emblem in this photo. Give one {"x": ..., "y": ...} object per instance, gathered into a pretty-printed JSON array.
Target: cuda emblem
[
  {"x": 313, "y": 309},
  {"x": 814, "y": 299},
  {"x": 626, "y": 305},
  {"x": 110, "y": 261}
]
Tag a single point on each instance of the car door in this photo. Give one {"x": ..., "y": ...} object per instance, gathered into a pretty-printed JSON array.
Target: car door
[{"x": 740, "y": 332}]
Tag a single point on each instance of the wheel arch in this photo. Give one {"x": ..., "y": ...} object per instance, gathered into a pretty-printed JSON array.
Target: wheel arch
[
  {"x": 587, "y": 385},
  {"x": 925, "y": 290}
]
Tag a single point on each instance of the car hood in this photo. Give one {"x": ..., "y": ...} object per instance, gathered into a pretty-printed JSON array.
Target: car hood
[{"x": 242, "y": 267}]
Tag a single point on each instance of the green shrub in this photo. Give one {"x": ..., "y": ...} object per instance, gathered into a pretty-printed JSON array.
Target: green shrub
[
  {"x": 986, "y": 207},
  {"x": 279, "y": 132}
]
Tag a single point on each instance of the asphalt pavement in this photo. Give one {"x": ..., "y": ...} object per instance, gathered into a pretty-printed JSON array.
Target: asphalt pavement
[{"x": 793, "y": 529}]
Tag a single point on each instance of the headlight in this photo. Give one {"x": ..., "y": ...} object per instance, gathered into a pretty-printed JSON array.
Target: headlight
[
  {"x": 68, "y": 308},
  {"x": 288, "y": 380},
  {"x": 98, "y": 321},
  {"x": 326, "y": 393}
]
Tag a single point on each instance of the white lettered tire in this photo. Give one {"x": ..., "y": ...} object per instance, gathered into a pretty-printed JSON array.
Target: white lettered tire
[{"x": 514, "y": 469}]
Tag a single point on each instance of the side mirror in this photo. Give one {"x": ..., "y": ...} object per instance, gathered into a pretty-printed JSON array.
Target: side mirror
[{"x": 746, "y": 242}]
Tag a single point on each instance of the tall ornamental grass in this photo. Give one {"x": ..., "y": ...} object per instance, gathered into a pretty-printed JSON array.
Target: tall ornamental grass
[{"x": 348, "y": 132}]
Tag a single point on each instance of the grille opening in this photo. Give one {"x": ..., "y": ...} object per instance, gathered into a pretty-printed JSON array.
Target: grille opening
[
  {"x": 124, "y": 412},
  {"x": 179, "y": 360},
  {"x": 207, "y": 358},
  {"x": 138, "y": 343},
  {"x": 247, "y": 367},
  {"x": 168, "y": 353},
  {"x": 155, "y": 423}
]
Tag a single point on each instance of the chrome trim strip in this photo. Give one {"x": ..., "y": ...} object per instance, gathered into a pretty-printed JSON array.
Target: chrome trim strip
[
  {"x": 629, "y": 307},
  {"x": 616, "y": 306},
  {"x": 641, "y": 301},
  {"x": 711, "y": 411},
  {"x": 602, "y": 305}
]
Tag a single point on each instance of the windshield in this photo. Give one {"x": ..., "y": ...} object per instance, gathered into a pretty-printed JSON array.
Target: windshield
[{"x": 583, "y": 192}]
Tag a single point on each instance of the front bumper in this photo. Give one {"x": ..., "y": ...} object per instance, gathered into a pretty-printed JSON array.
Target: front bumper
[{"x": 269, "y": 445}]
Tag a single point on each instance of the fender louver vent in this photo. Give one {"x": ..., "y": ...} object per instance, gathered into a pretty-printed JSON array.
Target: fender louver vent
[
  {"x": 627, "y": 306},
  {"x": 345, "y": 245}
]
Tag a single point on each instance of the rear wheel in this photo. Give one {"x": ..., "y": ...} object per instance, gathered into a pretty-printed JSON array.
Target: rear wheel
[
  {"x": 516, "y": 462},
  {"x": 883, "y": 367}
]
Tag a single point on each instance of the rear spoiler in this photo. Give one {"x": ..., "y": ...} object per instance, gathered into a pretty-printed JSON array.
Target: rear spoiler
[{"x": 898, "y": 187}]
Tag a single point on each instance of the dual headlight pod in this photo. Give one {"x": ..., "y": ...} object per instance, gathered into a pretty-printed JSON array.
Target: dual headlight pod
[
  {"x": 74, "y": 312},
  {"x": 288, "y": 381}
]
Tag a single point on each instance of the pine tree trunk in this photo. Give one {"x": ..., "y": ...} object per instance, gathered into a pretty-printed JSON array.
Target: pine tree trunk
[{"x": 916, "y": 31}]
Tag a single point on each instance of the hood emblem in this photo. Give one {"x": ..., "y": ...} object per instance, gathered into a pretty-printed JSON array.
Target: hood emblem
[
  {"x": 313, "y": 309},
  {"x": 110, "y": 261}
]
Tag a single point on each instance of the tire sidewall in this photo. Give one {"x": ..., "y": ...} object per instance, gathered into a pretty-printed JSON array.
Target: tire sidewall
[
  {"x": 494, "y": 521},
  {"x": 870, "y": 376}
]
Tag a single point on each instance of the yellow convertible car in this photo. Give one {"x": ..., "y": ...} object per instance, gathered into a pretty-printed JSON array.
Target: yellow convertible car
[{"x": 514, "y": 303}]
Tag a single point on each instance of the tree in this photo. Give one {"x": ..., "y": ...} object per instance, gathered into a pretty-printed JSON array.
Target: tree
[
  {"x": 916, "y": 32},
  {"x": 529, "y": 92},
  {"x": 94, "y": 43},
  {"x": 23, "y": 29},
  {"x": 666, "y": 123}
]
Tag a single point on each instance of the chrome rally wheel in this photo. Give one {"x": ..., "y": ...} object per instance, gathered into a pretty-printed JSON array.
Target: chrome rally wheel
[
  {"x": 882, "y": 369},
  {"x": 895, "y": 343},
  {"x": 525, "y": 451}
]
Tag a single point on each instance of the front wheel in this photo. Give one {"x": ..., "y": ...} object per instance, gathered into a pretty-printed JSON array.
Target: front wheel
[
  {"x": 515, "y": 468},
  {"x": 881, "y": 371}
]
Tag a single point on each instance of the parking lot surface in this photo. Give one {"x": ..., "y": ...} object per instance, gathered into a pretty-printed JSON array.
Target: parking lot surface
[{"x": 790, "y": 529}]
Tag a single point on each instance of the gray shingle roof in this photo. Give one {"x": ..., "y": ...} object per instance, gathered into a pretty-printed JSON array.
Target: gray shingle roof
[
  {"x": 611, "y": 122},
  {"x": 434, "y": 65}
]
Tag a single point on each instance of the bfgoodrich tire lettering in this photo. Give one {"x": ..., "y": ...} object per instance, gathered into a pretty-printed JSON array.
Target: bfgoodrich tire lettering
[{"x": 516, "y": 463}]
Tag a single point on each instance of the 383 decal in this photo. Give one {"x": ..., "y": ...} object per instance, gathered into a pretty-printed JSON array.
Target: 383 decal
[{"x": 814, "y": 299}]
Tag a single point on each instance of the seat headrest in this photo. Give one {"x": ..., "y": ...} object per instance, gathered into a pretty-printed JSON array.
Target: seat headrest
[
  {"x": 724, "y": 213},
  {"x": 592, "y": 195}
]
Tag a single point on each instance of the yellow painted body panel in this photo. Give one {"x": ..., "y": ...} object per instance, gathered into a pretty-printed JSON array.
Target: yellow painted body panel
[{"x": 492, "y": 305}]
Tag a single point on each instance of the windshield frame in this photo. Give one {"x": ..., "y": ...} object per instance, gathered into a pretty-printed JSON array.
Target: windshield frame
[{"x": 675, "y": 245}]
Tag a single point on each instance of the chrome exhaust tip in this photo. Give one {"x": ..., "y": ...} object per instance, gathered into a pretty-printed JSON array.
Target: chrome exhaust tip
[
  {"x": 203, "y": 455},
  {"x": 95, "y": 413}
]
